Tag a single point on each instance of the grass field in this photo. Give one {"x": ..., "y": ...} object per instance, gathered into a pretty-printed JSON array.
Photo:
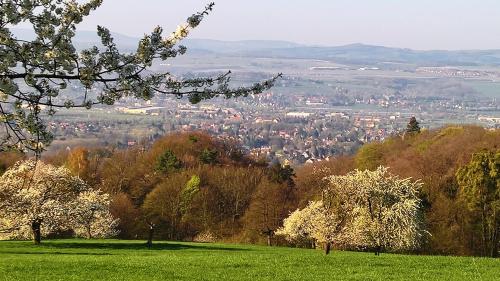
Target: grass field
[{"x": 130, "y": 260}]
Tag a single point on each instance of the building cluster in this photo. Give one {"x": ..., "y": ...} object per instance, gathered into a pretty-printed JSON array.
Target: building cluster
[{"x": 299, "y": 128}]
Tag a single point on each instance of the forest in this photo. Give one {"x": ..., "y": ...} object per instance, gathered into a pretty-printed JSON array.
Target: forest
[{"x": 193, "y": 187}]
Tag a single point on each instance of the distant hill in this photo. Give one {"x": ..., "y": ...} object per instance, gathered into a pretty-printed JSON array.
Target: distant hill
[
  {"x": 85, "y": 39},
  {"x": 367, "y": 54},
  {"x": 89, "y": 38},
  {"x": 359, "y": 54},
  {"x": 238, "y": 46}
]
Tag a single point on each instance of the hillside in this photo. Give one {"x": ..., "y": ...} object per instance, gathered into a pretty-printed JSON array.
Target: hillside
[
  {"x": 130, "y": 260},
  {"x": 236, "y": 192},
  {"x": 379, "y": 55},
  {"x": 432, "y": 157},
  {"x": 357, "y": 54}
]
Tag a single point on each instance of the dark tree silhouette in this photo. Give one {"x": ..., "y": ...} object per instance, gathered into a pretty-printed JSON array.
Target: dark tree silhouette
[{"x": 413, "y": 126}]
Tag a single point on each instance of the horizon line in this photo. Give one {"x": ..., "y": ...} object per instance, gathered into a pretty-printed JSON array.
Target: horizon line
[{"x": 300, "y": 44}]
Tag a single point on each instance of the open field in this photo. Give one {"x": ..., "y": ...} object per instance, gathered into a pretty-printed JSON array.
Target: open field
[{"x": 130, "y": 260}]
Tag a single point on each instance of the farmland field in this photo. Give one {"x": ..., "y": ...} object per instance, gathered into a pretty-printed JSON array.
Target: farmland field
[{"x": 130, "y": 260}]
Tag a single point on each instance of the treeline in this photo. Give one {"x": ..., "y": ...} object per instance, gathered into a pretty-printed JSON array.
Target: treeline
[
  {"x": 189, "y": 186},
  {"x": 437, "y": 158}
]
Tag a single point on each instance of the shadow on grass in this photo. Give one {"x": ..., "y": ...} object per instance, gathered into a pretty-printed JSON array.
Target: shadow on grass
[
  {"x": 55, "y": 253},
  {"x": 167, "y": 246}
]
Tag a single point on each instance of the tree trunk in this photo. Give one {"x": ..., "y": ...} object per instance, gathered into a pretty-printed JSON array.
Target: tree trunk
[
  {"x": 484, "y": 234},
  {"x": 328, "y": 247},
  {"x": 150, "y": 235},
  {"x": 37, "y": 235},
  {"x": 494, "y": 239},
  {"x": 269, "y": 234},
  {"x": 494, "y": 249},
  {"x": 89, "y": 233},
  {"x": 378, "y": 249}
]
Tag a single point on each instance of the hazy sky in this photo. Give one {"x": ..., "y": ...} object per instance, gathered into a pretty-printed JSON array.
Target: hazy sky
[{"x": 417, "y": 24}]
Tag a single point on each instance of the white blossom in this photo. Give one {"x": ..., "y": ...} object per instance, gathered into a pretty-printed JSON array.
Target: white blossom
[
  {"x": 387, "y": 213},
  {"x": 39, "y": 198},
  {"x": 362, "y": 210},
  {"x": 90, "y": 216},
  {"x": 34, "y": 192}
]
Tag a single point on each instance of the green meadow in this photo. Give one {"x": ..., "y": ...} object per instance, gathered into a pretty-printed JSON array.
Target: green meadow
[{"x": 131, "y": 260}]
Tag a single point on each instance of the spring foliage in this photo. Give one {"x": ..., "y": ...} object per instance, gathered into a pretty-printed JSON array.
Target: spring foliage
[
  {"x": 239, "y": 200},
  {"x": 362, "y": 210},
  {"x": 89, "y": 215},
  {"x": 34, "y": 74},
  {"x": 479, "y": 183},
  {"x": 37, "y": 197}
]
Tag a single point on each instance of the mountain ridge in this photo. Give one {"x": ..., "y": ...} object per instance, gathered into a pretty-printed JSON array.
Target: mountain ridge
[{"x": 356, "y": 53}]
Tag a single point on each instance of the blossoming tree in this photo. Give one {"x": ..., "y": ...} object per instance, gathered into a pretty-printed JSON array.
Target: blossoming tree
[
  {"x": 367, "y": 210},
  {"x": 37, "y": 199},
  {"x": 387, "y": 213},
  {"x": 35, "y": 73},
  {"x": 89, "y": 215},
  {"x": 312, "y": 223}
]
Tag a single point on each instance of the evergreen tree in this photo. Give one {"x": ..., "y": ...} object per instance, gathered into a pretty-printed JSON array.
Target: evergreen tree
[
  {"x": 168, "y": 162},
  {"x": 208, "y": 156},
  {"x": 413, "y": 126},
  {"x": 279, "y": 173}
]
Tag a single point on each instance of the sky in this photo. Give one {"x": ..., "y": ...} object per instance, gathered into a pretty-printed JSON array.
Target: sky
[{"x": 415, "y": 24}]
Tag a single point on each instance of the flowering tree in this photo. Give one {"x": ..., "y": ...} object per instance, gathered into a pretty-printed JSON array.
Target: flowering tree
[
  {"x": 318, "y": 222},
  {"x": 310, "y": 223},
  {"x": 364, "y": 210},
  {"x": 387, "y": 213},
  {"x": 34, "y": 74},
  {"x": 35, "y": 197},
  {"x": 90, "y": 217}
]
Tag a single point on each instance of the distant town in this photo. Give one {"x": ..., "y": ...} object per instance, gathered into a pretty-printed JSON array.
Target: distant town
[{"x": 295, "y": 127}]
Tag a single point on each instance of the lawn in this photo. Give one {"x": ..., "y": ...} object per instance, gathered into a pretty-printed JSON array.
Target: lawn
[{"x": 130, "y": 260}]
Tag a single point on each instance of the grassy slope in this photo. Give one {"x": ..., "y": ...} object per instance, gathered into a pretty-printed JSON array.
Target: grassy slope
[{"x": 129, "y": 260}]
